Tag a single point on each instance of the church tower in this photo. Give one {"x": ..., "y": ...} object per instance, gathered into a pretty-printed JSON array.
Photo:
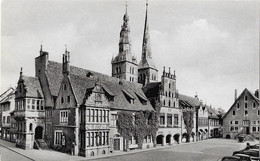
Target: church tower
[
  {"x": 124, "y": 65},
  {"x": 147, "y": 71}
]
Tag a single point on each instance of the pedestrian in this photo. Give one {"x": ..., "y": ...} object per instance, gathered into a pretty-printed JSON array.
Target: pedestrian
[
  {"x": 247, "y": 146},
  {"x": 73, "y": 148}
]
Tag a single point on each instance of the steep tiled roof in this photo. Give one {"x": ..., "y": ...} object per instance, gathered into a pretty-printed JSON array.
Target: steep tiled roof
[
  {"x": 113, "y": 86},
  {"x": 5, "y": 94},
  {"x": 191, "y": 100},
  {"x": 152, "y": 89},
  {"x": 32, "y": 86}
]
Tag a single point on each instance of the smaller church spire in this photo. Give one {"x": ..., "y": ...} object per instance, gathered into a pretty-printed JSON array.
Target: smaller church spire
[
  {"x": 21, "y": 72},
  {"x": 41, "y": 52}
]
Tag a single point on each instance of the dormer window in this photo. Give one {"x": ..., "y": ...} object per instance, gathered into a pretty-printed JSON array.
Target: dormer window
[
  {"x": 245, "y": 97},
  {"x": 238, "y": 105},
  {"x": 130, "y": 98},
  {"x": 142, "y": 98}
]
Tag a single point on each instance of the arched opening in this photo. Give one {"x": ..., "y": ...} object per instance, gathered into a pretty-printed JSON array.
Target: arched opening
[
  {"x": 185, "y": 137},
  {"x": 176, "y": 138},
  {"x": 31, "y": 127},
  {"x": 228, "y": 136},
  {"x": 193, "y": 136},
  {"x": 38, "y": 132},
  {"x": 159, "y": 139},
  {"x": 168, "y": 139},
  {"x": 92, "y": 154},
  {"x": 103, "y": 152}
]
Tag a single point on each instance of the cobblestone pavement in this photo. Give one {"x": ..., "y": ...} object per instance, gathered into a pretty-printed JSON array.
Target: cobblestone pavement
[{"x": 207, "y": 150}]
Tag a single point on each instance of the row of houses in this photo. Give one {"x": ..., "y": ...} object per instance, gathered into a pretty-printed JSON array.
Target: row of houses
[{"x": 68, "y": 108}]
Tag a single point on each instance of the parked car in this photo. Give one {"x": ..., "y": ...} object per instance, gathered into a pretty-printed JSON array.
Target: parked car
[
  {"x": 243, "y": 157},
  {"x": 229, "y": 158},
  {"x": 241, "y": 139}
]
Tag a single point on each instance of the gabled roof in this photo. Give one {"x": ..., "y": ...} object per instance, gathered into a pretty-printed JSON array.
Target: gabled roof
[
  {"x": 32, "y": 86},
  {"x": 5, "y": 94},
  {"x": 242, "y": 94},
  {"x": 191, "y": 100},
  {"x": 8, "y": 97},
  {"x": 113, "y": 86}
]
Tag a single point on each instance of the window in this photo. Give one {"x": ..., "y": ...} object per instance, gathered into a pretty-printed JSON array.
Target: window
[
  {"x": 64, "y": 116},
  {"x": 258, "y": 112},
  {"x": 8, "y": 119},
  {"x": 169, "y": 85},
  {"x": 231, "y": 128},
  {"x": 236, "y": 122},
  {"x": 176, "y": 120},
  {"x": 96, "y": 115},
  {"x": 38, "y": 104},
  {"x": 236, "y": 128},
  {"x": 246, "y": 122},
  {"x": 58, "y": 138},
  {"x": 31, "y": 127},
  {"x": 169, "y": 102},
  {"x": 237, "y": 105},
  {"x": 113, "y": 119},
  {"x": 254, "y": 105},
  {"x": 92, "y": 115},
  {"x": 162, "y": 119},
  {"x": 33, "y": 104},
  {"x": 107, "y": 116},
  {"x": 61, "y": 100},
  {"x": 104, "y": 116},
  {"x": 64, "y": 87},
  {"x": 169, "y": 119},
  {"x": 100, "y": 115},
  {"x": 4, "y": 119},
  {"x": 68, "y": 99},
  {"x": 245, "y": 105},
  {"x": 230, "y": 122},
  {"x": 88, "y": 139},
  {"x": 254, "y": 129},
  {"x": 234, "y": 112},
  {"x": 42, "y": 105},
  {"x": 246, "y": 113},
  {"x": 245, "y": 97}
]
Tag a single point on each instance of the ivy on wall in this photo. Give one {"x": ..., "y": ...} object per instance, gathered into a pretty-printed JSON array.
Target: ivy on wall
[
  {"x": 125, "y": 126},
  {"x": 146, "y": 123},
  {"x": 188, "y": 121}
]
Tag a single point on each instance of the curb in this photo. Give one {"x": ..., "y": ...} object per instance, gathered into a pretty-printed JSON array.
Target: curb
[{"x": 16, "y": 152}]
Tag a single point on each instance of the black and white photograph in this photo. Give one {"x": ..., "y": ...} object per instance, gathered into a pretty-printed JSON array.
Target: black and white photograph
[{"x": 130, "y": 80}]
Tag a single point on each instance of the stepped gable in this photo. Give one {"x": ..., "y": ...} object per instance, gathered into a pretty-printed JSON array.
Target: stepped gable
[
  {"x": 113, "y": 86},
  {"x": 152, "y": 89},
  {"x": 32, "y": 86},
  {"x": 190, "y": 100}
]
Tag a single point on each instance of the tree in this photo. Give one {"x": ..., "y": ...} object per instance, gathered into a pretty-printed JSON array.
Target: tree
[
  {"x": 153, "y": 123},
  {"x": 125, "y": 126},
  {"x": 188, "y": 121}
]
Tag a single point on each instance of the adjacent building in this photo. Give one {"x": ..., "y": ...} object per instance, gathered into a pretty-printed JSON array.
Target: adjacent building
[
  {"x": 7, "y": 106},
  {"x": 243, "y": 116}
]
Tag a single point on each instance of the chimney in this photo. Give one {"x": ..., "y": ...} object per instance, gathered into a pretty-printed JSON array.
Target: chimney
[
  {"x": 235, "y": 94},
  {"x": 257, "y": 93}
]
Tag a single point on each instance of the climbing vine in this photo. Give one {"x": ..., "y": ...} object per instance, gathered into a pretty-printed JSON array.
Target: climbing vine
[
  {"x": 125, "y": 126},
  {"x": 188, "y": 121}
]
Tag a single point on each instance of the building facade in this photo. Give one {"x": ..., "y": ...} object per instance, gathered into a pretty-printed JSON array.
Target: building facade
[
  {"x": 243, "y": 116},
  {"x": 7, "y": 105}
]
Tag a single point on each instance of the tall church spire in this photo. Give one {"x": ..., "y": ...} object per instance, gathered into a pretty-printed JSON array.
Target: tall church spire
[
  {"x": 124, "y": 58},
  {"x": 147, "y": 71},
  {"x": 146, "y": 50},
  {"x": 146, "y": 47}
]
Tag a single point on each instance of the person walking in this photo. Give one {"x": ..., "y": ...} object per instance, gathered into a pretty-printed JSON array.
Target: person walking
[{"x": 73, "y": 148}]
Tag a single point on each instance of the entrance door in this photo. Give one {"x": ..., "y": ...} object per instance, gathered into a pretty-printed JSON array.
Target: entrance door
[
  {"x": 38, "y": 132},
  {"x": 247, "y": 130},
  {"x": 117, "y": 144}
]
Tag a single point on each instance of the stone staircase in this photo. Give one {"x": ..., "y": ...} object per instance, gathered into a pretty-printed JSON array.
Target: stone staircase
[{"x": 40, "y": 144}]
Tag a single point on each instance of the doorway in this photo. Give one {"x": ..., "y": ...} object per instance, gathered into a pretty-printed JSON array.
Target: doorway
[{"x": 38, "y": 132}]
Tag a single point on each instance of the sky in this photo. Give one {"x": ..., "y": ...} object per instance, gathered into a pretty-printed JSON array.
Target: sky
[{"x": 212, "y": 45}]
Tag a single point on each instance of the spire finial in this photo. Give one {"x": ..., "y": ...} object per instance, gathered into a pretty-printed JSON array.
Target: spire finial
[
  {"x": 146, "y": 4},
  {"x": 126, "y": 6},
  {"x": 41, "y": 47},
  {"x": 65, "y": 48},
  {"x": 21, "y": 72}
]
